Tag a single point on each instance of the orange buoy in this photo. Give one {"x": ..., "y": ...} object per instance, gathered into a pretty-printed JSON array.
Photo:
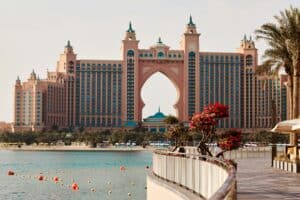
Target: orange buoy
[
  {"x": 122, "y": 168},
  {"x": 10, "y": 173},
  {"x": 41, "y": 178},
  {"x": 75, "y": 186},
  {"x": 55, "y": 179}
]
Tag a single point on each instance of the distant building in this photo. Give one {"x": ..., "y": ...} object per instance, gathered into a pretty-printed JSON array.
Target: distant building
[
  {"x": 4, "y": 126},
  {"x": 271, "y": 98},
  {"x": 155, "y": 123},
  {"x": 98, "y": 94}
]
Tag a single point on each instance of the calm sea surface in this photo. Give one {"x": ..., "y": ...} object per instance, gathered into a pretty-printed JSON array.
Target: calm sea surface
[{"x": 98, "y": 170}]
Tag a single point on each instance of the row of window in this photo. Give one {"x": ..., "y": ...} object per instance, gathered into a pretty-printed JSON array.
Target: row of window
[
  {"x": 99, "y": 65},
  {"x": 100, "y": 122},
  {"x": 159, "y": 55},
  {"x": 191, "y": 84},
  {"x": 130, "y": 85}
]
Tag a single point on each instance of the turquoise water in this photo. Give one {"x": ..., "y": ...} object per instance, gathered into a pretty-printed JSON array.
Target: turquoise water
[{"x": 98, "y": 170}]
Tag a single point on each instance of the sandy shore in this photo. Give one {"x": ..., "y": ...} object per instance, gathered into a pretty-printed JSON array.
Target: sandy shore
[{"x": 72, "y": 148}]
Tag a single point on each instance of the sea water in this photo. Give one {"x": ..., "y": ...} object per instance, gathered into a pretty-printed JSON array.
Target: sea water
[{"x": 98, "y": 171}]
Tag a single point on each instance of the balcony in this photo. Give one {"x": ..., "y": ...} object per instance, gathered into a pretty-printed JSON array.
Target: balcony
[{"x": 190, "y": 176}]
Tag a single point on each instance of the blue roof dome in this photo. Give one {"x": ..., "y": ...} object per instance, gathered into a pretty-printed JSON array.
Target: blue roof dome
[{"x": 158, "y": 117}]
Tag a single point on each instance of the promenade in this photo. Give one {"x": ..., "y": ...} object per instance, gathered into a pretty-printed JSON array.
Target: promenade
[{"x": 257, "y": 180}]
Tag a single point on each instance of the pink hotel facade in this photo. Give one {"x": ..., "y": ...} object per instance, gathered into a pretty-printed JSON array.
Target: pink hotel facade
[{"x": 107, "y": 93}]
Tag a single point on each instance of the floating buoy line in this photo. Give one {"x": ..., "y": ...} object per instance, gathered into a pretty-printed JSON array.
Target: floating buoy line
[{"x": 74, "y": 186}]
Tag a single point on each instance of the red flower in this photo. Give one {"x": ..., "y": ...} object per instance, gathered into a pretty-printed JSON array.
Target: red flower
[
  {"x": 230, "y": 140},
  {"x": 209, "y": 116}
]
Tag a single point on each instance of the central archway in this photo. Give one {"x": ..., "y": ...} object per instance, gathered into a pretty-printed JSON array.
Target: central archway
[
  {"x": 173, "y": 71},
  {"x": 153, "y": 95}
]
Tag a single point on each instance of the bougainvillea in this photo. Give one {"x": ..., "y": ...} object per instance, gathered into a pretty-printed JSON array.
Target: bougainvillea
[
  {"x": 230, "y": 140},
  {"x": 217, "y": 110},
  {"x": 204, "y": 123}
]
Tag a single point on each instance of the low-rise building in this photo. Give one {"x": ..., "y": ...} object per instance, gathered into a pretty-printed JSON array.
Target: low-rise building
[{"x": 155, "y": 123}]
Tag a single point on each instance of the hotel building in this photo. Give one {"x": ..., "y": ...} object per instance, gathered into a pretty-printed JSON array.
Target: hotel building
[{"x": 107, "y": 93}]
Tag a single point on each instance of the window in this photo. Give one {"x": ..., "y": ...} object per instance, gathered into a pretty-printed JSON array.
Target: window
[
  {"x": 130, "y": 53},
  {"x": 160, "y": 54},
  {"x": 249, "y": 60}
]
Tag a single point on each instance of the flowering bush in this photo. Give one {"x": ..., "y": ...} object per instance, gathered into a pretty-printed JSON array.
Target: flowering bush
[
  {"x": 209, "y": 116},
  {"x": 217, "y": 110},
  {"x": 230, "y": 140},
  {"x": 204, "y": 123}
]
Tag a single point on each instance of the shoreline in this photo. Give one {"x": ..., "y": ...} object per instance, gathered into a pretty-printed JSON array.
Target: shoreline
[{"x": 75, "y": 148}]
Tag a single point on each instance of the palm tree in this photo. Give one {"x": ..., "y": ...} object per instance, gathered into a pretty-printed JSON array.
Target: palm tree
[{"x": 284, "y": 41}]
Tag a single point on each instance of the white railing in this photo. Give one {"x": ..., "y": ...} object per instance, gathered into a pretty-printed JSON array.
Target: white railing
[
  {"x": 249, "y": 152},
  {"x": 208, "y": 177}
]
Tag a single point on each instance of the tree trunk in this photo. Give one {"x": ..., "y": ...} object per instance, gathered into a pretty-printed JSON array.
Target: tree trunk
[
  {"x": 296, "y": 97},
  {"x": 290, "y": 97},
  {"x": 203, "y": 150},
  {"x": 296, "y": 93}
]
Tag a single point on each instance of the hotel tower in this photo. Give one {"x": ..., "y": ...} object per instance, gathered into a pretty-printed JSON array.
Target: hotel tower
[{"x": 107, "y": 93}]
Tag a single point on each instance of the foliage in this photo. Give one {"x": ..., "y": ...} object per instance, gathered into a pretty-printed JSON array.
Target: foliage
[
  {"x": 277, "y": 35},
  {"x": 177, "y": 133},
  {"x": 91, "y": 138},
  {"x": 170, "y": 120},
  {"x": 139, "y": 128},
  {"x": 31, "y": 137},
  {"x": 230, "y": 140},
  {"x": 154, "y": 137},
  {"x": 204, "y": 124},
  {"x": 283, "y": 38},
  {"x": 206, "y": 120}
]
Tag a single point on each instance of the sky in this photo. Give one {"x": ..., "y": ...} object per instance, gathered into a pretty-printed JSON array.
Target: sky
[{"x": 34, "y": 32}]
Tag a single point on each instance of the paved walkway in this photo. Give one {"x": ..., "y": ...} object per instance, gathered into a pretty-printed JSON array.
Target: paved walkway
[{"x": 257, "y": 180}]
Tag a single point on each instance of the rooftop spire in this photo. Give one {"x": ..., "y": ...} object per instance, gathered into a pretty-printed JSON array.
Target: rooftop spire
[
  {"x": 18, "y": 81},
  {"x": 68, "y": 44},
  {"x": 245, "y": 37},
  {"x": 191, "y": 23},
  {"x": 33, "y": 75},
  {"x": 130, "y": 30},
  {"x": 158, "y": 108},
  {"x": 159, "y": 41}
]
